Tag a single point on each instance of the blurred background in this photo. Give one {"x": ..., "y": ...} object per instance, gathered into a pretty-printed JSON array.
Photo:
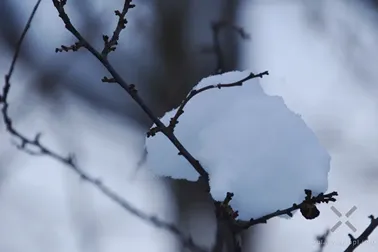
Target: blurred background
[{"x": 321, "y": 56}]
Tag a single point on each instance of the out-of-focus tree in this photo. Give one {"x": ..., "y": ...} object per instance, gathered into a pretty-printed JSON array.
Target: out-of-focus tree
[{"x": 176, "y": 35}]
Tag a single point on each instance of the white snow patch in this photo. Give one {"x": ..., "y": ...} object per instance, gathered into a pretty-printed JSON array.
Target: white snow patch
[{"x": 250, "y": 143}]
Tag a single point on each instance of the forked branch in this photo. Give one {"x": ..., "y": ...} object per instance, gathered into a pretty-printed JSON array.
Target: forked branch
[
  {"x": 69, "y": 161},
  {"x": 307, "y": 207}
]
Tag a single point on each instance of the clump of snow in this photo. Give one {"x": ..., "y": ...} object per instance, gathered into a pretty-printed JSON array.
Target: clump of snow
[{"x": 250, "y": 143}]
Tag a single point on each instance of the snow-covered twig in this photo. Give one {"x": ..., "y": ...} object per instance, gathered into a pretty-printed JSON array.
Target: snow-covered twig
[
  {"x": 174, "y": 120},
  {"x": 69, "y": 160},
  {"x": 217, "y": 50},
  {"x": 131, "y": 90}
]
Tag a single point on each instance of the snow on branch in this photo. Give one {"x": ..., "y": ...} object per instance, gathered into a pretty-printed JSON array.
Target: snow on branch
[
  {"x": 250, "y": 143},
  {"x": 194, "y": 92},
  {"x": 210, "y": 175}
]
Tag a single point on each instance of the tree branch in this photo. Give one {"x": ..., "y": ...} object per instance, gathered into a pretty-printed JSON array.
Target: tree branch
[
  {"x": 355, "y": 242},
  {"x": 129, "y": 88},
  {"x": 110, "y": 45},
  {"x": 307, "y": 207},
  {"x": 69, "y": 161}
]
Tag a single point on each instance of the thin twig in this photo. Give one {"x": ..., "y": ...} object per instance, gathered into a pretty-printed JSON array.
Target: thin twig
[
  {"x": 59, "y": 5},
  {"x": 110, "y": 45},
  {"x": 174, "y": 120},
  {"x": 69, "y": 161},
  {"x": 308, "y": 203},
  {"x": 306, "y": 207},
  {"x": 355, "y": 242},
  {"x": 6, "y": 88}
]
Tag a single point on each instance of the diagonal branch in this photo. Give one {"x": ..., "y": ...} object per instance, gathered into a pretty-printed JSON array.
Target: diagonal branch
[
  {"x": 69, "y": 160},
  {"x": 355, "y": 242},
  {"x": 110, "y": 45},
  {"x": 307, "y": 207},
  {"x": 130, "y": 89},
  {"x": 6, "y": 88}
]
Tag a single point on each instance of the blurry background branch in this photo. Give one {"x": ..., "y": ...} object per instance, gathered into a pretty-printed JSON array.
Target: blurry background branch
[
  {"x": 69, "y": 161},
  {"x": 184, "y": 27},
  {"x": 55, "y": 80},
  {"x": 134, "y": 93}
]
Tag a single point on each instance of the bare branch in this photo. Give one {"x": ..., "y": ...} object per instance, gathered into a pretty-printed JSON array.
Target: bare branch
[
  {"x": 110, "y": 45},
  {"x": 307, "y": 208},
  {"x": 355, "y": 242},
  {"x": 6, "y": 88},
  {"x": 59, "y": 5},
  {"x": 69, "y": 161},
  {"x": 74, "y": 47},
  {"x": 224, "y": 211},
  {"x": 307, "y": 205}
]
